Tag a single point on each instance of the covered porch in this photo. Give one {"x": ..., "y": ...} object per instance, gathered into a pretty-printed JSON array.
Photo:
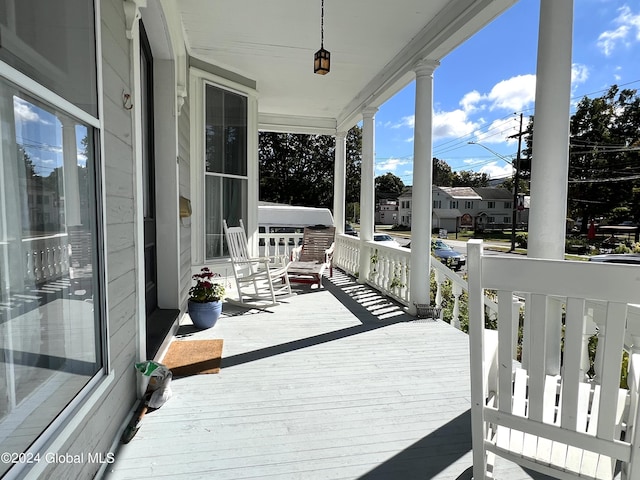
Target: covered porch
[{"x": 332, "y": 383}]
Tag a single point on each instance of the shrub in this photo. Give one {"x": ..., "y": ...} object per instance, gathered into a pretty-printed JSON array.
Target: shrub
[{"x": 522, "y": 240}]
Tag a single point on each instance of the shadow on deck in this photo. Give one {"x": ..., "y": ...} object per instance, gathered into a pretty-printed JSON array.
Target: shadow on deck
[{"x": 336, "y": 383}]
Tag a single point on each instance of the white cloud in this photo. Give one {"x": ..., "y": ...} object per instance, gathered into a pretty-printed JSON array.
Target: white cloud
[
  {"x": 23, "y": 111},
  {"x": 500, "y": 129},
  {"x": 408, "y": 121},
  {"x": 494, "y": 170},
  {"x": 513, "y": 94},
  {"x": 628, "y": 27},
  {"x": 579, "y": 74},
  {"x": 470, "y": 101},
  {"x": 453, "y": 124},
  {"x": 391, "y": 164}
]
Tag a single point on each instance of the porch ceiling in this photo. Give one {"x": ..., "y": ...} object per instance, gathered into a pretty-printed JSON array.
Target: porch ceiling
[{"x": 373, "y": 45}]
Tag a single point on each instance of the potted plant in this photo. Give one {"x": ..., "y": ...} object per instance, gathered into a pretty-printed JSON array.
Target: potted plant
[{"x": 205, "y": 301}]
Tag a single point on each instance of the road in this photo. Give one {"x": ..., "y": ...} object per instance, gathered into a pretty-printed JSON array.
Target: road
[{"x": 403, "y": 238}]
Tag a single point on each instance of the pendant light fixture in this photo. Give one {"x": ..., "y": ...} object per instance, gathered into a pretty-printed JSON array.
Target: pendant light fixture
[{"x": 322, "y": 58}]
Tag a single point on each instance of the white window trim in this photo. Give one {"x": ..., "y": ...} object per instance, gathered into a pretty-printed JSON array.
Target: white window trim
[
  {"x": 198, "y": 81},
  {"x": 67, "y": 422}
]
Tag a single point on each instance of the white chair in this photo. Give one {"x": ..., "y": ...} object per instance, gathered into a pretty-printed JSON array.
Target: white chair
[
  {"x": 552, "y": 407},
  {"x": 261, "y": 281}
]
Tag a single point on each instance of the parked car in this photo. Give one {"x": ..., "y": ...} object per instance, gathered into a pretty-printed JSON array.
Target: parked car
[
  {"x": 446, "y": 254},
  {"x": 384, "y": 239},
  {"x": 632, "y": 258},
  {"x": 349, "y": 230}
]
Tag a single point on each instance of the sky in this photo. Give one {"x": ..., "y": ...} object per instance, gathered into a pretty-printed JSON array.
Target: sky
[{"x": 481, "y": 88}]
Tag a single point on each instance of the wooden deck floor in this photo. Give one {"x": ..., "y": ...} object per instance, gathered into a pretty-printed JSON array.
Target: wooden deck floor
[{"x": 336, "y": 383}]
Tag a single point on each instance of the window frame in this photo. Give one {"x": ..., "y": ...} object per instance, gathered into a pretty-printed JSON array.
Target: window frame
[
  {"x": 94, "y": 389},
  {"x": 199, "y": 79}
]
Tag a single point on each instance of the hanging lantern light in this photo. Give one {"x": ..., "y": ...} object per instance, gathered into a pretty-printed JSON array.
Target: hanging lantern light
[{"x": 322, "y": 58}]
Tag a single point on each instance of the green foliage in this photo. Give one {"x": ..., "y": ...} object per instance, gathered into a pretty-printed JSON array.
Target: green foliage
[
  {"x": 522, "y": 239},
  {"x": 448, "y": 300},
  {"x": 622, "y": 248},
  {"x": 388, "y": 186},
  {"x": 298, "y": 169},
  {"x": 205, "y": 290},
  {"x": 443, "y": 176},
  {"x": 576, "y": 245},
  {"x": 396, "y": 281}
]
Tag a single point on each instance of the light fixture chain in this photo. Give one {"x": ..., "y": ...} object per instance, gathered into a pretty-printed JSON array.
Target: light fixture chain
[{"x": 322, "y": 25}]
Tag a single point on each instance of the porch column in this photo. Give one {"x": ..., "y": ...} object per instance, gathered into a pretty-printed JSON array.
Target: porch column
[
  {"x": 550, "y": 167},
  {"x": 421, "y": 195},
  {"x": 340, "y": 181},
  {"x": 550, "y": 164},
  {"x": 367, "y": 191},
  {"x": 71, "y": 187}
]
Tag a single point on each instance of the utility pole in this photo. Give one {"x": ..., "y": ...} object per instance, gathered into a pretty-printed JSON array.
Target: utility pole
[{"x": 516, "y": 181}]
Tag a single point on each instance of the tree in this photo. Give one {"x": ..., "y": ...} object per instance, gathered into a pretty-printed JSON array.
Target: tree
[
  {"x": 442, "y": 174},
  {"x": 466, "y": 178},
  {"x": 354, "y": 163},
  {"x": 604, "y": 161},
  {"x": 388, "y": 187},
  {"x": 298, "y": 169},
  {"x": 602, "y": 167}
]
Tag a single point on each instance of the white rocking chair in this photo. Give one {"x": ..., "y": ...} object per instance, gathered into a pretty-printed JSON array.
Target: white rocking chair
[
  {"x": 261, "y": 281},
  {"x": 552, "y": 408}
]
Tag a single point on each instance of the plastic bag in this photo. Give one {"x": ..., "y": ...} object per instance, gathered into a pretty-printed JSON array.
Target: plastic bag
[{"x": 159, "y": 388}]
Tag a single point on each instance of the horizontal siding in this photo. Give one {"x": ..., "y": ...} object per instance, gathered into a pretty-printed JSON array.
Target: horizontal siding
[
  {"x": 184, "y": 172},
  {"x": 98, "y": 431}
]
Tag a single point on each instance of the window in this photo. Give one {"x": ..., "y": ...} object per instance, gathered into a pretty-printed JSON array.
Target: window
[
  {"x": 491, "y": 219},
  {"x": 53, "y": 43},
  {"x": 506, "y": 219},
  {"x": 50, "y": 326},
  {"x": 491, "y": 204},
  {"x": 453, "y": 204},
  {"x": 507, "y": 205},
  {"x": 225, "y": 165},
  {"x": 437, "y": 204},
  {"x": 468, "y": 205}
]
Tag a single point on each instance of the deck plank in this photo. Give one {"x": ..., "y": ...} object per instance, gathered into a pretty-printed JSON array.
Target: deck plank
[{"x": 317, "y": 387}]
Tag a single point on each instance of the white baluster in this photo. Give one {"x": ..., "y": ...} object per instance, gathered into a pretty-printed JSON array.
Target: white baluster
[
  {"x": 439, "y": 278},
  {"x": 456, "y": 290}
]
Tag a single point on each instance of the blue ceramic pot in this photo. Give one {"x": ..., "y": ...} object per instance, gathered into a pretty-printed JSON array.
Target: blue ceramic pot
[{"x": 204, "y": 315}]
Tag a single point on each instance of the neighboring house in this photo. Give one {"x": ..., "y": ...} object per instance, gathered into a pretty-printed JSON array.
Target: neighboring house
[
  {"x": 453, "y": 207},
  {"x": 495, "y": 210},
  {"x": 387, "y": 212},
  {"x": 149, "y": 111},
  {"x": 404, "y": 207},
  {"x": 457, "y": 208}
]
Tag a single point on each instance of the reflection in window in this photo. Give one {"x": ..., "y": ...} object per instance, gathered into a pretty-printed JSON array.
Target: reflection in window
[
  {"x": 53, "y": 42},
  {"x": 49, "y": 320}
]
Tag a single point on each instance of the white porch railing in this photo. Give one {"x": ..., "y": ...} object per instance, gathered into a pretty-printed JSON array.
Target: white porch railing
[
  {"x": 389, "y": 273},
  {"x": 390, "y": 268},
  {"x": 273, "y": 244},
  {"x": 45, "y": 258}
]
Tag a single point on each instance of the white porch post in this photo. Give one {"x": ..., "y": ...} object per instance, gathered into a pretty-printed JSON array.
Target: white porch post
[
  {"x": 550, "y": 163},
  {"x": 550, "y": 155},
  {"x": 339, "y": 181},
  {"x": 70, "y": 173},
  {"x": 366, "y": 191},
  {"x": 421, "y": 196}
]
